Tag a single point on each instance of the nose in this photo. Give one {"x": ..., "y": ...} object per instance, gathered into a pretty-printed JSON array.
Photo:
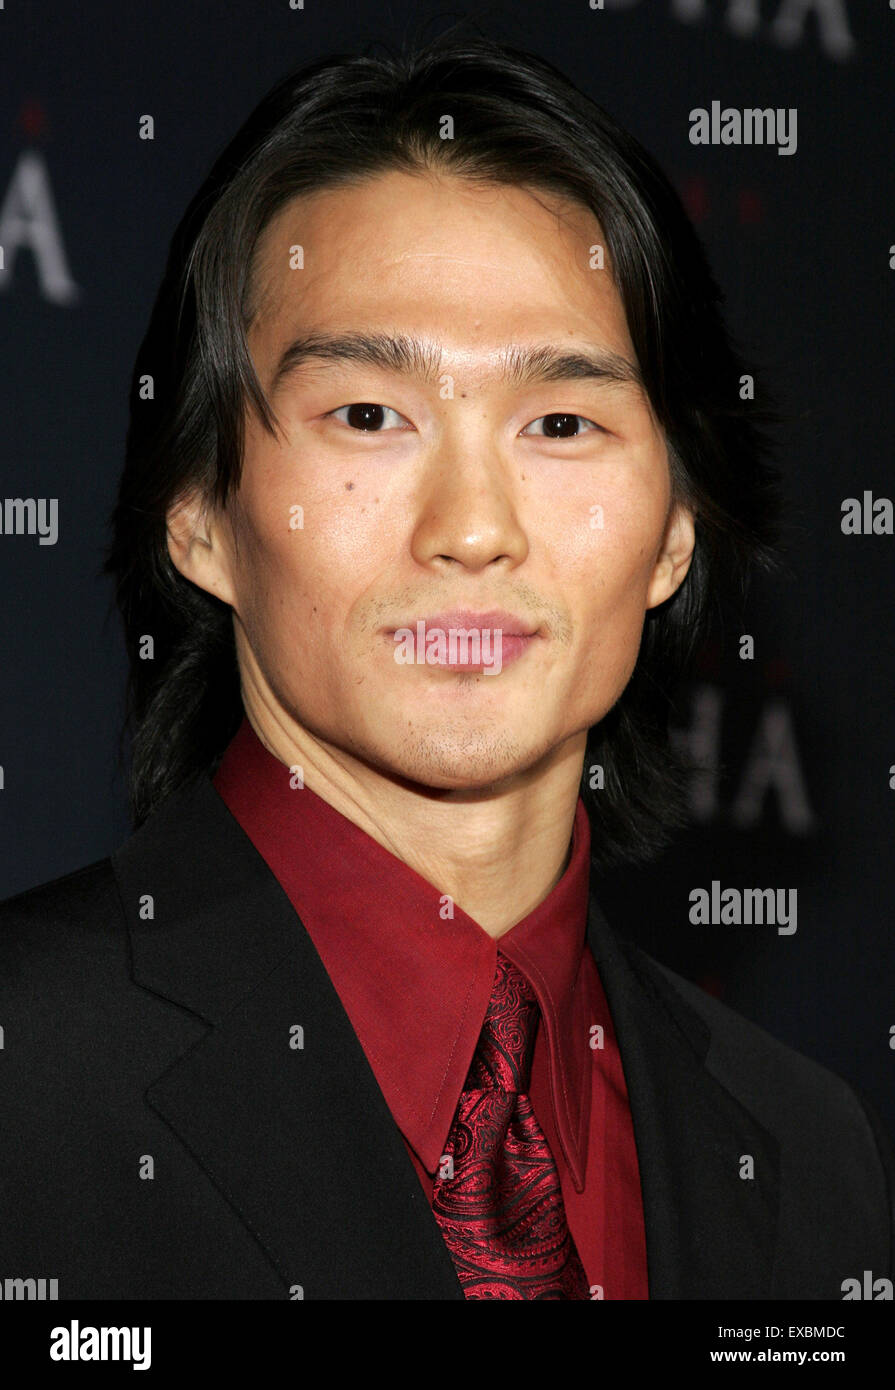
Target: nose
[{"x": 467, "y": 507}]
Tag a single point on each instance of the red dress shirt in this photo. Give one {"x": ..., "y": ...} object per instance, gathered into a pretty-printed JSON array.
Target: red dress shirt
[{"x": 415, "y": 983}]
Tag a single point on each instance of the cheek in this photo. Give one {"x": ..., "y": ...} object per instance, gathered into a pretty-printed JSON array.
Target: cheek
[
  {"x": 305, "y": 555},
  {"x": 610, "y": 533},
  {"x": 274, "y": 581},
  {"x": 605, "y": 569}
]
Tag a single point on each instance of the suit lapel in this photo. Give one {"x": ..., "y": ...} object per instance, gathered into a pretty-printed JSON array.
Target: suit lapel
[
  {"x": 710, "y": 1233},
  {"x": 290, "y": 1125}
]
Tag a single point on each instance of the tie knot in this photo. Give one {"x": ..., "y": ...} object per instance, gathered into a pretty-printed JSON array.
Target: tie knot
[{"x": 502, "y": 1059}]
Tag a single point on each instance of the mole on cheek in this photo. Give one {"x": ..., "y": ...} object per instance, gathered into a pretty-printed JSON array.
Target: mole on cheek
[{"x": 349, "y": 486}]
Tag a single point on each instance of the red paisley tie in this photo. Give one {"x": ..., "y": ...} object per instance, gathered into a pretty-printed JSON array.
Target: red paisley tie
[{"x": 501, "y": 1211}]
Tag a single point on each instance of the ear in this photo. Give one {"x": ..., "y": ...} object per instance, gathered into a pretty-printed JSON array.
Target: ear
[
  {"x": 198, "y": 543},
  {"x": 675, "y": 555}
]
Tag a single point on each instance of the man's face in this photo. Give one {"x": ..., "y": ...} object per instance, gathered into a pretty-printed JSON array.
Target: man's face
[{"x": 459, "y": 494}]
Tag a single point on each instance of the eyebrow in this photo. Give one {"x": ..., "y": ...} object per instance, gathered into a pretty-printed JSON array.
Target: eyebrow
[{"x": 520, "y": 365}]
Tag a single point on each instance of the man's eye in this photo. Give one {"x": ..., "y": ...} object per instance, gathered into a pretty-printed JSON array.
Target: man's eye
[
  {"x": 560, "y": 426},
  {"x": 367, "y": 416}
]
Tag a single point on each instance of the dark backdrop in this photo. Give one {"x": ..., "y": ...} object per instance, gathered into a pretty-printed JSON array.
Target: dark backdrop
[{"x": 798, "y": 742}]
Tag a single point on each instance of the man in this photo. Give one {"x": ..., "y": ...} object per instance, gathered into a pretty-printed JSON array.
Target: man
[{"x": 436, "y": 452}]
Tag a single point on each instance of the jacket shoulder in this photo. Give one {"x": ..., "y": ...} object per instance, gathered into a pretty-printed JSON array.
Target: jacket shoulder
[
  {"x": 766, "y": 1074},
  {"x": 57, "y": 918},
  {"x": 823, "y": 1123},
  {"x": 59, "y": 892}
]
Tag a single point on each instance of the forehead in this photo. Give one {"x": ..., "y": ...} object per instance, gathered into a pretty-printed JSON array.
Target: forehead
[{"x": 475, "y": 265}]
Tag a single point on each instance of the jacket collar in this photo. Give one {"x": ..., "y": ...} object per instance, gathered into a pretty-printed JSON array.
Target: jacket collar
[
  {"x": 285, "y": 1122},
  {"x": 289, "y": 1125},
  {"x": 710, "y": 1232}
]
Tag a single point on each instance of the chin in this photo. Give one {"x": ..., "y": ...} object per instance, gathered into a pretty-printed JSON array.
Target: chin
[{"x": 477, "y": 765}]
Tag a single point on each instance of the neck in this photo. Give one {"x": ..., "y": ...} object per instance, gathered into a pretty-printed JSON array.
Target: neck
[{"x": 495, "y": 851}]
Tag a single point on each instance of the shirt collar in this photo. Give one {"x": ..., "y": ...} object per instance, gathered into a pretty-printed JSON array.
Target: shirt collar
[{"x": 413, "y": 971}]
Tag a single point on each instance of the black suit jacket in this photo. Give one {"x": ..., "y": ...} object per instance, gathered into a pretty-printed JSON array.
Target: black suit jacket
[{"x": 149, "y": 1004}]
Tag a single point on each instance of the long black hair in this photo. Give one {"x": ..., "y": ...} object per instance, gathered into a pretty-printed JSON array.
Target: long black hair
[{"x": 517, "y": 120}]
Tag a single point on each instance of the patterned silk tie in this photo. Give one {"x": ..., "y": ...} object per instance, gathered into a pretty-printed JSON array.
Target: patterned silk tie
[{"x": 501, "y": 1210}]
